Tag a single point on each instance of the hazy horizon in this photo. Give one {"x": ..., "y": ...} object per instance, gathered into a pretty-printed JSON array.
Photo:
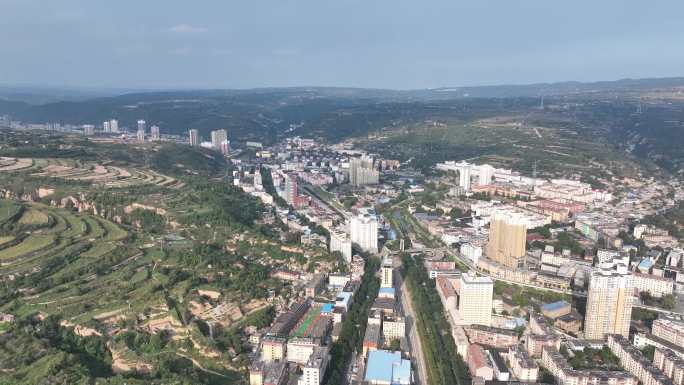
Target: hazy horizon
[
  {"x": 77, "y": 88},
  {"x": 399, "y": 45}
]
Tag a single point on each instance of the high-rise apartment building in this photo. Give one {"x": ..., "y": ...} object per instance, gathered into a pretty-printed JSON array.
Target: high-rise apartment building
[
  {"x": 114, "y": 125},
  {"x": 485, "y": 174},
  {"x": 106, "y": 126},
  {"x": 507, "y": 238},
  {"x": 193, "y": 137},
  {"x": 364, "y": 230},
  {"x": 142, "y": 125},
  {"x": 218, "y": 137},
  {"x": 464, "y": 177},
  {"x": 340, "y": 241},
  {"x": 224, "y": 147},
  {"x": 387, "y": 273},
  {"x": 291, "y": 191},
  {"x": 362, "y": 172},
  {"x": 475, "y": 300},
  {"x": 609, "y": 302},
  {"x": 88, "y": 129},
  {"x": 154, "y": 133},
  {"x": 141, "y": 130}
]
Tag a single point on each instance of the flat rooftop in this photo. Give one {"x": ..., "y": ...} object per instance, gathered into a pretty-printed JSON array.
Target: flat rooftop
[
  {"x": 555, "y": 305},
  {"x": 473, "y": 279},
  {"x": 388, "y": 368}
]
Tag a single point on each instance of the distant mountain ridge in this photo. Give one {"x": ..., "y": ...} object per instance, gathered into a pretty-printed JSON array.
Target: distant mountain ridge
[
  {"x": 561, "y": 88},
  {"x": 333, "y": 113},
  {"x": 35, "y": 95}
]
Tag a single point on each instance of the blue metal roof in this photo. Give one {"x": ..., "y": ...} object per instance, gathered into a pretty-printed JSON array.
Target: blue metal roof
[
  {"x": 327, "y": 308},
  {"x": 387, "y": 290},
  {"x": 388, "y": 367},
  {"x": 554, "y": 305}
]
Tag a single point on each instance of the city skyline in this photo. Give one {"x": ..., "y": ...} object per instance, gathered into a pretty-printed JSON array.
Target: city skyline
[{"x": 341, "y": 193}]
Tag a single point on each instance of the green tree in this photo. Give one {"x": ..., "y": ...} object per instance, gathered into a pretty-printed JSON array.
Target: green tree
[
  {"x": 668, "y": 301},
  {"x": 542, "y": 230}
]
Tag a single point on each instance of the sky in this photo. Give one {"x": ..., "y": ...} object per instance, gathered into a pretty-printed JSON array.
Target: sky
[{"x": 397, "y": 44}]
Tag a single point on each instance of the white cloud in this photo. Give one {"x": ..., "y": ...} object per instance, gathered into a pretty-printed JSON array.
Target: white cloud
[{"x": 188, "y": 29}]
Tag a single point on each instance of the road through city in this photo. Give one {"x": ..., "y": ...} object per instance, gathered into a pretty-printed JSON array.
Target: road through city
[{"x": 417, "y": 356}]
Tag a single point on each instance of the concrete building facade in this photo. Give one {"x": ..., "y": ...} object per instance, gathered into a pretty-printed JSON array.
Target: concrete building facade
[
  {"x": 362, "y": 172},
  {"x": 609, "y": 302},
  {"x": 364, "y": 231},
  {"x": 340, "y": 241},
  {"x": 475, "y": 300},
  {"x": 507, "y": 238},
  {"x": 193, "y": 137}
]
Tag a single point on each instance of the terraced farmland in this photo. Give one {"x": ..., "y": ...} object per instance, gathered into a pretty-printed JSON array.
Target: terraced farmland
[
  {"x": 102, "y": 175},
  {"x": 79, "y": 266},
  {"x": 34, "y": 218},
  {"x": 59, "y": 256},
  {"x": 87, "y": 242},
  {"x": 15, "y": 164},
  {"x": 77, "y": 226},
  {"x": 112, "y": 231},
  {"x": 30, "y": 244},
  {"x": 8, "y": 209}
]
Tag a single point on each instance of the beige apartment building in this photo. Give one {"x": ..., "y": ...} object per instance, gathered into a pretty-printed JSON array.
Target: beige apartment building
[
  {"x": 507, "y": 238},
  {"x": 609, "y": 302}
]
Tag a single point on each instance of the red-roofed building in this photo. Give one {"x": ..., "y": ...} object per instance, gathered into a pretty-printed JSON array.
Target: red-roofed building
[
  {"x": 446, "y": 292},
  {"x": 479, "y": 364}
]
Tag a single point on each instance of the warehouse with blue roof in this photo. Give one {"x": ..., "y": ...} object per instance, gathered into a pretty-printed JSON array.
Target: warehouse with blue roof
[
  {"x": 387, "y": 368},
  {"x": 556, "y": 309},
  {"x": 386, "y": 292},
  {"x": 645, "y": 266}
]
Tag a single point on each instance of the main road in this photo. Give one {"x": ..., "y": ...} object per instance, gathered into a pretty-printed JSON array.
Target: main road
[{"x": 413, "y": 337}]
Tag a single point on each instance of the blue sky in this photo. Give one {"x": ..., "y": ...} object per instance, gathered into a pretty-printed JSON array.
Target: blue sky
[{"x": 360, "y": 43}]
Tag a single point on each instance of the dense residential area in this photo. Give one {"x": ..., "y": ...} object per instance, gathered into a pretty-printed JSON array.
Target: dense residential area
[
  {"x": 149, "y": 256},
  {"x": 446, "y": 240}
]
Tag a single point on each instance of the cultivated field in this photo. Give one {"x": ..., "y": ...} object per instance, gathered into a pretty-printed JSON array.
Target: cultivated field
[
  {"x": 103, "y": 175},
  {"x": 64, "y": 252}
]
